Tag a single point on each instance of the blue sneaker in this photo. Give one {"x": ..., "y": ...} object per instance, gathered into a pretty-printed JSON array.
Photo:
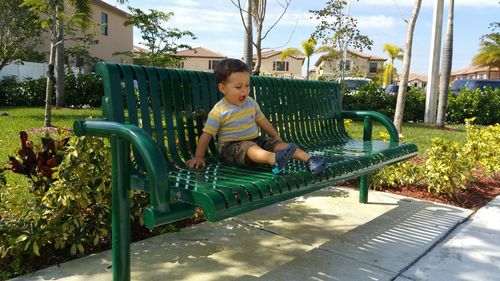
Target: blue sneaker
[
  {"x": 282, "y": 158},
  {"x": 316, "y": 165}
]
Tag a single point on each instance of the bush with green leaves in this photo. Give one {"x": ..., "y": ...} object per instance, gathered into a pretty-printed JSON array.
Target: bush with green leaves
[
  {"x": 72, "y": 215},
  {"x": 83, "y": 89},
  {"x": 80, "y": 90},
  {"x": 481, "y": 104},
  {"x": 483, "y": 147},
  {"x": 372, "y": 97},
  {"x": 8, "y": 86},
  {"x": 449, "y": 167}
]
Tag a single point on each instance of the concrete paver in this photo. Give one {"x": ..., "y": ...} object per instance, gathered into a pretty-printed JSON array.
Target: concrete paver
[
  {"x": 471, "y": 251},
  {"x": 326, "y": 235}
]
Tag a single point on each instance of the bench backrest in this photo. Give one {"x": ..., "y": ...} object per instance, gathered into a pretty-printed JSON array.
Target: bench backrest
[{"x": 172, "y": 105}]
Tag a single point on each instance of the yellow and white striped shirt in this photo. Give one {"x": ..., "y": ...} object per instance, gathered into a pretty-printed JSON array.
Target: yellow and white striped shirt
[{"x": 234, "y": 123}]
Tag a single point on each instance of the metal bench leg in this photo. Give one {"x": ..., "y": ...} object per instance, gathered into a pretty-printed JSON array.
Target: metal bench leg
[
  {"x": 363, "y": 188},
  {"x": 120, "y": 183}
]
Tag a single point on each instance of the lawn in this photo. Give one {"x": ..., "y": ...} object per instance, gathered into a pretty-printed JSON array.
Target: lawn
[
  {"x": 26, "y": 118},
  {"x": 418, "y": 133}
]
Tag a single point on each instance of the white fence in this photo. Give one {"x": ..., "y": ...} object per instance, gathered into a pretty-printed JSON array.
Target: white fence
[{"x": 22, "y": 71}]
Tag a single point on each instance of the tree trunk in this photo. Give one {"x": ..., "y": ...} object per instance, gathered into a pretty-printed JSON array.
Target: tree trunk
[
  {"x": 50, "y": 86},
  {"x": 392, "y": 72},
  {"x": 59, "y": 63},
  {"x": 445, "y": 70},
  {"x": 400, "y": 103},
  {"x": 307, "y": 73},
  {"x": 433, "y": 75},
  {"x": 258, "y": 48},
  {"x": 248, "y": 45}
]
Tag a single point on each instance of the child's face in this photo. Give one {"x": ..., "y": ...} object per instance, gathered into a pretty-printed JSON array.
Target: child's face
[{"x": 236, "y": 88}]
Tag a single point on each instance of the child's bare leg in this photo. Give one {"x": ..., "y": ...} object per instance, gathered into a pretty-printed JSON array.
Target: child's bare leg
[
  {"x": 299, "y": 153},
  {"x": 261, "y": 156}
]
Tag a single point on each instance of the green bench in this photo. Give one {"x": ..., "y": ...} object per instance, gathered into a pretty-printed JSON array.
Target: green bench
[{"x": 155, "y": 115}]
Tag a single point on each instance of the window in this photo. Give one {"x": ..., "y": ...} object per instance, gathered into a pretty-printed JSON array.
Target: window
[
  {"x": 213, "y": 63},
  {"x": 373, "y": 67},
  {"x": 347, "y": 65},
  {"x": 104, "y": 24},
  {"x": 280, "y": 66}
]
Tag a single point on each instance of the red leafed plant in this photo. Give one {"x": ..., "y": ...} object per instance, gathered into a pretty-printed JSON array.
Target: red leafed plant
[{"x": 38, "y": 162}]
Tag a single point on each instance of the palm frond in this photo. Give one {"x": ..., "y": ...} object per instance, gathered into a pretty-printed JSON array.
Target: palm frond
[{"x": 290, "y": 52}]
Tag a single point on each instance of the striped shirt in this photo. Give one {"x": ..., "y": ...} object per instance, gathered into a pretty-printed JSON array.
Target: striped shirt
[{"x": 234, "y": 123}]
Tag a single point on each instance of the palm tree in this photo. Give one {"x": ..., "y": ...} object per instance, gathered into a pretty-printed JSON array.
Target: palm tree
[
  {"x": 400, "y": 103},
  {"x": 394, "y": 52},
  {"x": 445, "y": 69},
  {"x": 489, "y": 53},
  {"x": 308, "y": 49}
]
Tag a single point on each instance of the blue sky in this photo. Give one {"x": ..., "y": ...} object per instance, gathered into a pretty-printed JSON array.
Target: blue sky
[{"x": 217, "y": 25}]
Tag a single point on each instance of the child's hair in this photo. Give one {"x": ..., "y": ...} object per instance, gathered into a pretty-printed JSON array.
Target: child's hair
[{"x": 226, "y": 67}]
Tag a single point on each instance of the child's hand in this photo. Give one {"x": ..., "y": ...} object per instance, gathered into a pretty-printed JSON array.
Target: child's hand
[{"x": 196, "y": 162}]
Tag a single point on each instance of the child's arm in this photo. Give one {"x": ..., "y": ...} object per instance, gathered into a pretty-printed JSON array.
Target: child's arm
[
  {"x": 267, "y": 127},
  {"x": 198, "y": 160}
]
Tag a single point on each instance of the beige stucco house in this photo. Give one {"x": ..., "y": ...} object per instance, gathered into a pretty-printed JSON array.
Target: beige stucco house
[
  {"x": 200, "y": 59},
  {"x": 415, "y": 80},
  {"x": 110, "y": 32},
  {"x": 476, "y": 72},
  {"x": 290, "y": 67},
  {"x": 357, "y": 63}
]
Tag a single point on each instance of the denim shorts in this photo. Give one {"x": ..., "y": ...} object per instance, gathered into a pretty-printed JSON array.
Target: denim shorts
[{"x": 235, "y": 152}]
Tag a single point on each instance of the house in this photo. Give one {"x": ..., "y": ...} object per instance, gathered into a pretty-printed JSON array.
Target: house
[
  {"x": 416, "y": 80},
  {"x": 476, "y": 72},
  {"x": 312, "y": 74},
  {"x": 200, "y": 59},
  {"x": 112, "y": 35},
  {"x": 357, "y": 63},
  {"x": 290, "y": 67}
]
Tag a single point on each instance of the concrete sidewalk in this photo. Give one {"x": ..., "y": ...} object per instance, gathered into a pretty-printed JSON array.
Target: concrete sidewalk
[
  {"x": 470, "y": 252},
  {"x": 326, "y": 235}
]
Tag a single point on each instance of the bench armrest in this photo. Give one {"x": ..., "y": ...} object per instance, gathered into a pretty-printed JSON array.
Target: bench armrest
[
  {"x": 373, "y": 115},
  {"x": 144, "y": 145}
]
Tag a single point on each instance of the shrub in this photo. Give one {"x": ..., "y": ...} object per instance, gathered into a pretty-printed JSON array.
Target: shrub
[
  {"x": 372, "y": 97},
  {"x": 80, "y": 90},
  {"x": 8, "y": 88},
  {"x": 36, "y": 162},
  {"x": 449, "y": 166},
  {"x": 31, "y": 92},
  {"x": 70, "y": 216},
  {"x": 446, "y": 169},
  {"x": 482, "y": 147},
  {"x": 83, "y": 89},
  {"x": 474, "y": 103}
]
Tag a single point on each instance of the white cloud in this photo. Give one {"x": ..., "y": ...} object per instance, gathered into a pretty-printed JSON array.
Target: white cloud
[
  {"x": 426, "y": 3},
  {"x": 186, "y": 3},
  {"x": 376, "y": 22}
]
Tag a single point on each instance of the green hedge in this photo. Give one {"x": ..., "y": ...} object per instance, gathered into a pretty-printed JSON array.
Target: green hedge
[
  {"x": 80, "y": 90},
  {"x": 483, "y": 105},
  {"x": 372, "y": 97}
]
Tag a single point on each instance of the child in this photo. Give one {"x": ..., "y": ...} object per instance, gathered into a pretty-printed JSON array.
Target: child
[{"x": 235, "y": 119}]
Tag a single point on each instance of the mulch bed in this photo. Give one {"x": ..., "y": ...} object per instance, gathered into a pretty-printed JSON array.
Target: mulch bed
[{"x": 476, "y": 195}]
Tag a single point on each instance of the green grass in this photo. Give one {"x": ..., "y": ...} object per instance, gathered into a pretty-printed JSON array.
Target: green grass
[
  {"x": 418, "y": 133},
  {"x": 26, "y": 118}
]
